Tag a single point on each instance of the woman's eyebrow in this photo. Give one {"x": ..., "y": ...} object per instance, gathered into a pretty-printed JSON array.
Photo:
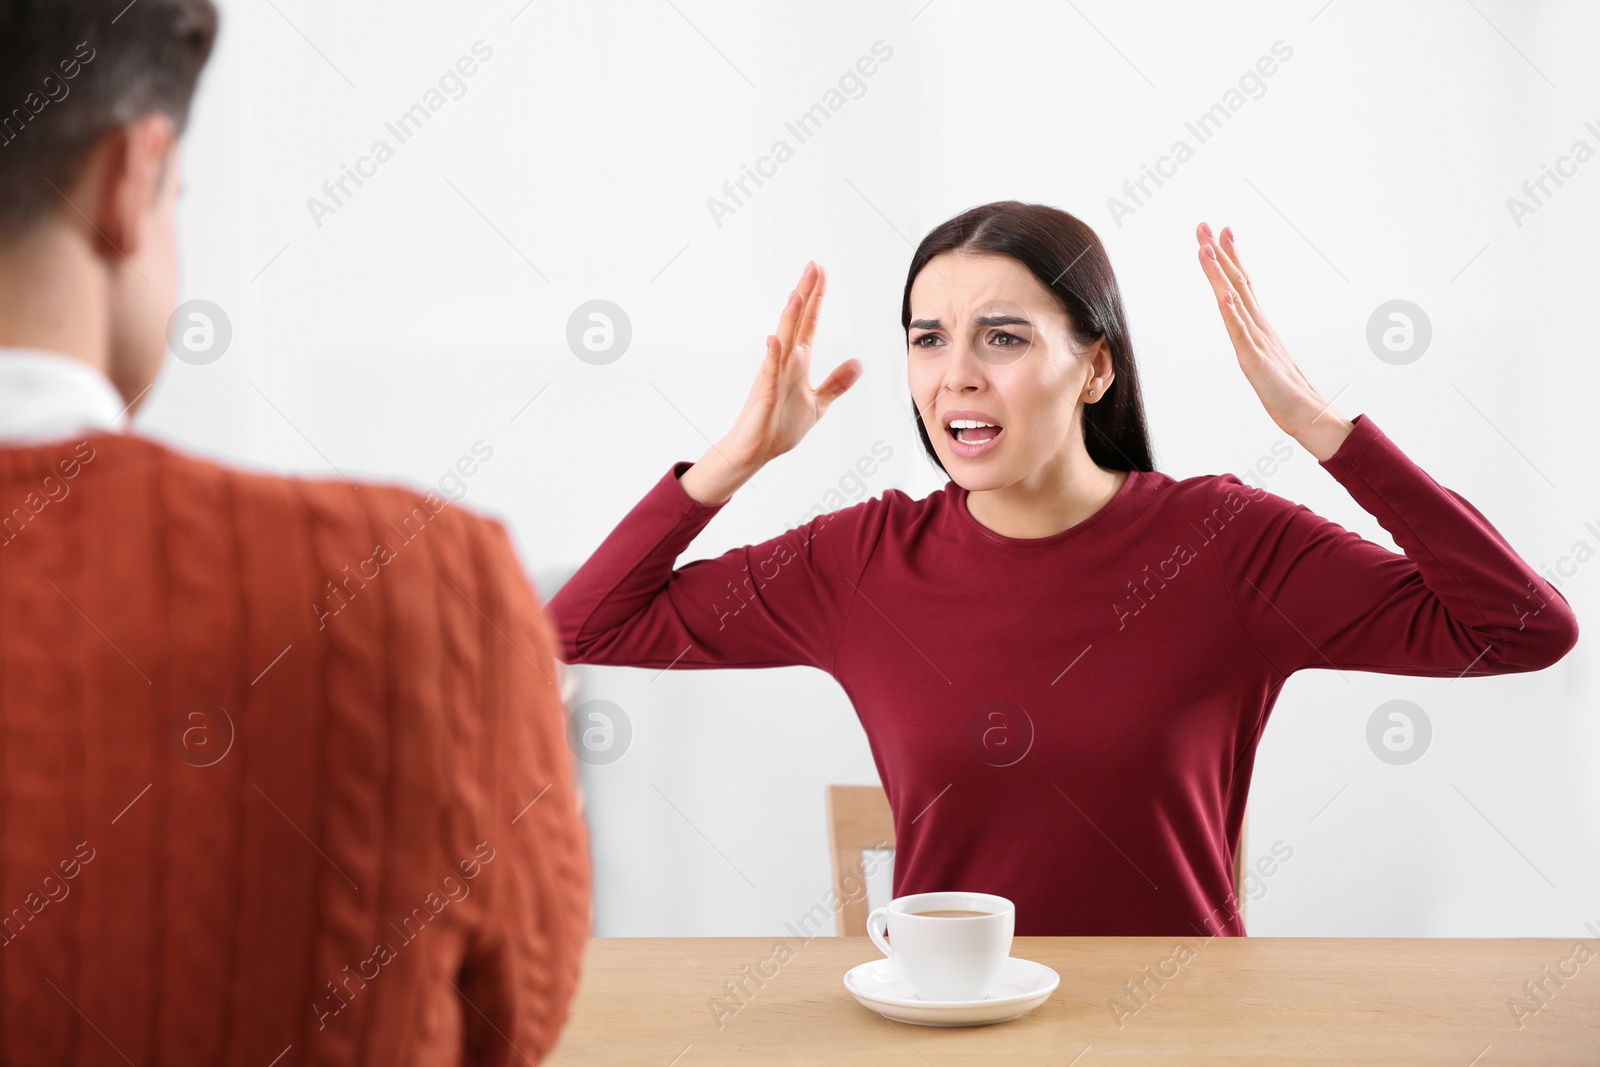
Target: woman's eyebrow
[{"x": 986, "y": 320}]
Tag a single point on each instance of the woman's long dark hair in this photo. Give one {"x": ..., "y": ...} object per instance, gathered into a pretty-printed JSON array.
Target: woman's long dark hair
[{"x": 1069, "y": 260}]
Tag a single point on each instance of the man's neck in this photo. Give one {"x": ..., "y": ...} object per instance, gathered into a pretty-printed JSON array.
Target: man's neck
[{"x": 52, "y": 298}]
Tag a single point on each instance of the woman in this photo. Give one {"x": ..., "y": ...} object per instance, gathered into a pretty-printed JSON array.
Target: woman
[{"x": 1063, "y": 659}]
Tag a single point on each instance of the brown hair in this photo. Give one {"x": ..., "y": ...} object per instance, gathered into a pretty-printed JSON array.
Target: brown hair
[
  {"x": 72, "y": 69},
  {"x": 1069, "y": 260}
]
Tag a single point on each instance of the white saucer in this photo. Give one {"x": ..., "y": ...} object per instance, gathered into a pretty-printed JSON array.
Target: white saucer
[{"x": 1022, "y": 986}]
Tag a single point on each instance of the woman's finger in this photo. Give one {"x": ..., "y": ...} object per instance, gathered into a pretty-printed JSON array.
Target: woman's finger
[
  {"x": 813, "y": 305},
  {"x": 786, "y": 323},
  {"x": 1233, "y": 273},
  {"x": 1213, "y": 270},
  {"x": 1234, "y": 267},
  {"x": 1221, "y": 284},
  {"x": 1230, "y": 247},
  {"x": 842, "y": 378},
  {"x": 1227, "y": 303},
  {"x": 789, "y": 320}
]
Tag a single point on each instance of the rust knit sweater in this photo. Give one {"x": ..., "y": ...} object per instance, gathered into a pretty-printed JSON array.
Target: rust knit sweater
[{"x": 282, "y": 772}]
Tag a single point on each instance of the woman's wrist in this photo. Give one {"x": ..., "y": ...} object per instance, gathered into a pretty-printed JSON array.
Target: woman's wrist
[
  {"x": 718, "y": 474},
  {"x": 1323, "y": 436}
]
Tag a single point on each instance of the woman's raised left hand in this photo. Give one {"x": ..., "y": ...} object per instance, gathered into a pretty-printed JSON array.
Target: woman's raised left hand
[{"x": 1289, "y": 397}]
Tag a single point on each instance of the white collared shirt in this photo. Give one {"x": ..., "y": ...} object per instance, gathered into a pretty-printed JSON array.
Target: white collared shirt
[{"x": 46, "y": 397}]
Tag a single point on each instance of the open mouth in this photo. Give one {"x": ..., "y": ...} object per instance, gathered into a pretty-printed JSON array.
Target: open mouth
[
  {"x": 973, "y": 433},
  {"x": 970, "y": 438}
]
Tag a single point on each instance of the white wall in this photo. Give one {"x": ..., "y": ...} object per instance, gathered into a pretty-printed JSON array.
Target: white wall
[{"x": 432, "y": 306}]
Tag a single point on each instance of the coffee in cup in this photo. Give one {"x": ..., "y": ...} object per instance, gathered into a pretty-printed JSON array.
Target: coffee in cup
[
  {"x": 950, "y": 945},
  {"x": 950, "y": 913}
]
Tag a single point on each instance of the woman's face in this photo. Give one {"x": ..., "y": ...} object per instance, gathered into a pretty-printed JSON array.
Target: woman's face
[{"x": 987, "y": 338}]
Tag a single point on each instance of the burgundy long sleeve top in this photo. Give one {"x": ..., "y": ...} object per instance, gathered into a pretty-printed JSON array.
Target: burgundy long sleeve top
[{"x": 1071, "y": 721}]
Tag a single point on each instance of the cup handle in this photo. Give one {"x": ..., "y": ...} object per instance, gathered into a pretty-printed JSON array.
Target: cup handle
[{"x": 877, "y": 923}]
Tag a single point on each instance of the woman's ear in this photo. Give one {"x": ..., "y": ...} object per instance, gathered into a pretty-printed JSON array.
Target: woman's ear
[{"x": 1102, "y": 369}]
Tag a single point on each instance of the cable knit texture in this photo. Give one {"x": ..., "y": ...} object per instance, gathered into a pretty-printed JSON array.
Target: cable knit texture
[{"x": 283, "y": 772}]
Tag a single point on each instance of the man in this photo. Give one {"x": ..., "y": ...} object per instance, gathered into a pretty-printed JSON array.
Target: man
[{"x": 283, "y": 775}]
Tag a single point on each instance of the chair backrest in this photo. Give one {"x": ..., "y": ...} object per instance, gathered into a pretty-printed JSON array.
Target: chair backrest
[
  {"x": 859, "y": 819},
  {"x": 1240, "y": 864}
]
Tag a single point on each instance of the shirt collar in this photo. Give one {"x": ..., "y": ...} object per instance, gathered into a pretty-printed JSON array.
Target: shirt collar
[{"x": 46, "y": 396}]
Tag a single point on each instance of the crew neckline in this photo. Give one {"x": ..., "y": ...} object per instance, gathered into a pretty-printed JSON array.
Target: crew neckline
[{"x": 959, "y": 499}]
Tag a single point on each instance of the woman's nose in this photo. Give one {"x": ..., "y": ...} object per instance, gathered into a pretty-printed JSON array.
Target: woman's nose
[{"x": 963, "y": 369}]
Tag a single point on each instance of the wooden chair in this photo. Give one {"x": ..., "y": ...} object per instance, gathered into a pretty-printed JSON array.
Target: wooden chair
[
  {"x": 859, "y": 819},
  {"x": 1240, "y": 864}
]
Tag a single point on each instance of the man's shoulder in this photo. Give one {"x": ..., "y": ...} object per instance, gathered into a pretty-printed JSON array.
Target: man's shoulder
[{"x": 367, "y": 512}]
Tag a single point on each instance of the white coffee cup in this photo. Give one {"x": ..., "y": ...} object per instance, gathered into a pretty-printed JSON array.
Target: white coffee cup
[{"x": 946, "y": 957}]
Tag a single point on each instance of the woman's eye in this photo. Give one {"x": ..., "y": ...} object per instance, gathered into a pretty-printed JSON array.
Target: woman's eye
[
  {"x": 917, "y": 342},
  {"x": 994, "y": 339}
]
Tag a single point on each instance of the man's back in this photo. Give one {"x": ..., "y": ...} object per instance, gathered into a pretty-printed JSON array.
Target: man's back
[{"x": 282, "y": 768}]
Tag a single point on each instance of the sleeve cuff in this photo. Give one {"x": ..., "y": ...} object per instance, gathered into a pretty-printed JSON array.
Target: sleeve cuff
[
  {"x": 675, "y": 488},
  {"x": 1363, "y": 434}
]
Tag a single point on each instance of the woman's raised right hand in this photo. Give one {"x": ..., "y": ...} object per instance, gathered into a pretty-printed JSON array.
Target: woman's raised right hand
[{"x": 782, "y": 407}]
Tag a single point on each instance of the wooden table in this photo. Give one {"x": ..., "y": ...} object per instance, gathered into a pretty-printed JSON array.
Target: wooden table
[{"x": 1226, "y": 1000}]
